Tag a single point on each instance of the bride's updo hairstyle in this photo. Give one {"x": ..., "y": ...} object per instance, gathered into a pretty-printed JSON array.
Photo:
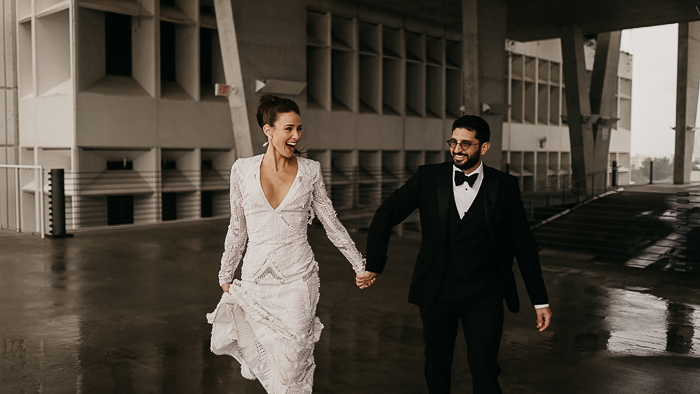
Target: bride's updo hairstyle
[{"x": 271, "y": 107}]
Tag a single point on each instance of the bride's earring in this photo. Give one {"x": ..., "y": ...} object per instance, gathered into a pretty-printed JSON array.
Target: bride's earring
[{"x": 268, "y": 142}]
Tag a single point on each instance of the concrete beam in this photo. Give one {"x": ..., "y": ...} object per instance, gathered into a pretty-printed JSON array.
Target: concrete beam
[
  {"x": 234, "y": 77},
  {"x": 688, "y": 81},
  {"x": 483, "y": 67},
  {"x": 534, "y": 20},
  {"x": 604, "y": 76}
]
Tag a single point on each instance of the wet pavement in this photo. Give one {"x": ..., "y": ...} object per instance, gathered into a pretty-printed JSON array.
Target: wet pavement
[{"x": 123, "y": 311}]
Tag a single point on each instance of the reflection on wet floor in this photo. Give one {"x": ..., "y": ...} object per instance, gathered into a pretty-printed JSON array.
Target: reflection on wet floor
[
  {"x": 642, "y": 325},
  {"x": 678, "y": 250}
]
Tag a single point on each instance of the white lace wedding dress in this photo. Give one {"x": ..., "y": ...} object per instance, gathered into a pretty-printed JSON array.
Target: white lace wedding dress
[{"x": 267, "y": 321}]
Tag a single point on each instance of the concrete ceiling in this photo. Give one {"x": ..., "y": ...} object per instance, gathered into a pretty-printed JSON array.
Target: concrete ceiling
[{"x": 530, "y": 20}]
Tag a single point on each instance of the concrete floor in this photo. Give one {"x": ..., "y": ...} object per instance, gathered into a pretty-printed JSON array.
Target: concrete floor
[{"x": 123, "y": 311}]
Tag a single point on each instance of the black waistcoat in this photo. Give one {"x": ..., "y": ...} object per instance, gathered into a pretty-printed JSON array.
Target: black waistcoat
[{"x": 470, "y": 266}]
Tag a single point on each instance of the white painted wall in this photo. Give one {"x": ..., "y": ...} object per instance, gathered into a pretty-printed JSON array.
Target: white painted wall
[{"x": 116, "y": 121}]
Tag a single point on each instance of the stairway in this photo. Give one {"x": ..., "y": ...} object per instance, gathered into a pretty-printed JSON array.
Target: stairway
[{"x": 645, "y": 230}]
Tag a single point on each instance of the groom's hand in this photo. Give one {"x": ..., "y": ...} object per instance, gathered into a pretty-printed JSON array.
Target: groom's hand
[
  {"x": 365, "y": 280},
  {"x": 544, "y": 316}
]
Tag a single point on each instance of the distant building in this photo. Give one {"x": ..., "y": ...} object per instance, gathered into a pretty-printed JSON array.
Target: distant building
[
  {"x": 120, "y": 95},
  {"x": 535, "y": 134},
  {"x": 637, "y": 161}
]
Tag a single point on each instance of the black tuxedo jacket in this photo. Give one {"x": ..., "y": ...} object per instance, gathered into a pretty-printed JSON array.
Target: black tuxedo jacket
[{"x": 429, "y": 190}]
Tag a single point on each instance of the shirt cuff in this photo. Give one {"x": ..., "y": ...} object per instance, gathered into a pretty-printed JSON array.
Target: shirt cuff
[{"x": 541, "y": 306}]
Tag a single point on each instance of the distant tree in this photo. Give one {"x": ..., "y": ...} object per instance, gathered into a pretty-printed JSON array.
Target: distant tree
[{"x": 663, "y": 169}]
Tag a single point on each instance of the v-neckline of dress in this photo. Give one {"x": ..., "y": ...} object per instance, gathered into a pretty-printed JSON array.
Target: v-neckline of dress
[{"x": 291, "y": 187}]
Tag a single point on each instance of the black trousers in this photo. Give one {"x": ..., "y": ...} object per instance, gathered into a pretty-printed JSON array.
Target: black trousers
[{"x": 482, "y": 322}]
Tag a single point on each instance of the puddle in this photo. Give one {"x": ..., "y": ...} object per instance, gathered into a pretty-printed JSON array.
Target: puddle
[{"x": 642, "y": 325}]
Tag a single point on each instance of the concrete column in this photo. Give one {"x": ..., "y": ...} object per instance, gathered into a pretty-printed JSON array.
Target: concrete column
[
  {"x": 603, "y": 97},
  {"x": 483, "y": 67},
  {"x": 578, "y": 106},
  {"x": 686, "y": 99},
  {"x": 591, "y": 113},
  {"x": 9, "y": 126},
  {"x": 234, "y": 77},
  {"x": 604, "y": 77}
]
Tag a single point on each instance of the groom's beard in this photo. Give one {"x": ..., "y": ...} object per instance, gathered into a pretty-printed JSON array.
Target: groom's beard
[{"x": 470, "y": 162}]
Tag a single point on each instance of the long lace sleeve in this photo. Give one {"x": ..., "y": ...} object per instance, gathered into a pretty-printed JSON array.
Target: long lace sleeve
[
  {"x": 237, "y": 233},
  {"x": 335, "y": 230}
]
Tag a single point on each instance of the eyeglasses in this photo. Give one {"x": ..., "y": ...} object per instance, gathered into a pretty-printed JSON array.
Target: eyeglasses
[{"x": 464, "y": 144}]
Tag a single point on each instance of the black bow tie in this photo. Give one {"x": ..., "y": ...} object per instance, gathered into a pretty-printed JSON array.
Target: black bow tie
[{"x": 460, "y": 178}]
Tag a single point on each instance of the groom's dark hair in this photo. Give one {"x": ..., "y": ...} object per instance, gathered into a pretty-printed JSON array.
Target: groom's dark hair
[{"x": 476, "y": 124}]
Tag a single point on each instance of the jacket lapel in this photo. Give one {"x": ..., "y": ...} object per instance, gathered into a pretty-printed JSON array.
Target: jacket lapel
[
  {"x": 490, "y": 187},
  {"x": 444, "y": 184}
]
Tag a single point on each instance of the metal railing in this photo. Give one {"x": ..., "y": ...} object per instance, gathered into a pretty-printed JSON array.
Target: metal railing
[
  {"x": 14, "y": 176},
  {"x": 357, "y": 192},
  {"x": 659, "y": 170},
  {"x": 548, "y": 199}
]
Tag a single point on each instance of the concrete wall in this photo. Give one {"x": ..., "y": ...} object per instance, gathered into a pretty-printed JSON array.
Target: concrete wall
[
  {"x": 385, "y": 109},
  {"x": 271, "y": 41},
  {"x": 353, "y": 130},
  {"x": 9, "y": 131},
  {"x": 144, "y": 111},
  {"x": 68, "y": 105},
  {"x": 141, "y": 121},
  {"x": 337, "y": 130},
  {"x": 76, "y": 114},
  {"x": 46, "y": 105}
]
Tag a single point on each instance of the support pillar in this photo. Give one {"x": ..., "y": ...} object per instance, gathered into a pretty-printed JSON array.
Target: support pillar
[
  {"x": 483, "y": 67},
  {"x": 591, "y": 113},
  {"x": 234, "y": 77},
  {"x": 578, "y": 106},
  {"x": 57, "y": 204},
  {"x": 603, "y": 98},
  {"x": 688, "y": 81}
]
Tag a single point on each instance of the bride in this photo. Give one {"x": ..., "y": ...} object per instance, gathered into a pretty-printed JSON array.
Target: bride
[{"x": 267, "y": 320}]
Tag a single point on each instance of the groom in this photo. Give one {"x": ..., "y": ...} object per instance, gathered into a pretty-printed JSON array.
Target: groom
[{"x": 473, "y": 224}]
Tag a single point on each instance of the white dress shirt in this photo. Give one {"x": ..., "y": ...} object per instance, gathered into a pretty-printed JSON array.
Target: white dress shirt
[{"x": 465, "y": 196}]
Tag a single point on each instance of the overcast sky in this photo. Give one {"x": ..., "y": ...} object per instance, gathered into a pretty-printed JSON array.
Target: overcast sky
[{"x": 655, "y": 52}]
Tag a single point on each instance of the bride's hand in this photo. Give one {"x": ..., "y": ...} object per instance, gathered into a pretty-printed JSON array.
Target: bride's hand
[
  {"x": 225, "y": 287},
  {"x": 365, "y": 280}
]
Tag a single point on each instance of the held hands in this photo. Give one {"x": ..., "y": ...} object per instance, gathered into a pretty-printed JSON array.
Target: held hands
[
  {"x": 544, "y": 317},
  {"x": 365, "y": 280}
]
